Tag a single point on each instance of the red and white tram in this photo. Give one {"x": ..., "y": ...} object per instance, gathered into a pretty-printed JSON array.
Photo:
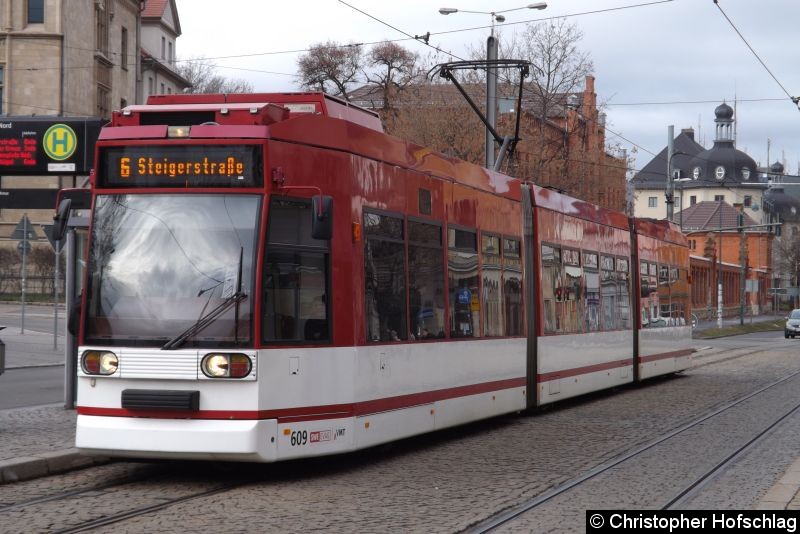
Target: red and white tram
[{"x": 271, "y": 276}]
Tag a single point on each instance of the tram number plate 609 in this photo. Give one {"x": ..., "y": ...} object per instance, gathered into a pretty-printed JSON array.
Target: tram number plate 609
[{"x": 299, "y": 438}]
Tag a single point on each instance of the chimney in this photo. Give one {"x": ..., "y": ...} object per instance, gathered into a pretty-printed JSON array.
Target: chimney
[{"x": 689, "y": 132}]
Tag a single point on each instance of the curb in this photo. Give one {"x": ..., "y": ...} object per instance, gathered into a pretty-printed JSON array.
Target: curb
[
  {"x": 48, "y": 463},
  {"x": 33, "y": 366},
  {"x": 783, "y": 495}
]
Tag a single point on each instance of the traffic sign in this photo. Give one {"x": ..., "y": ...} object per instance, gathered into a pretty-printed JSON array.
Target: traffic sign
[
  {"x": 24, "y": 230},
  {"x": 48, "y": 232},
  {"x": 59, "y": 142}
]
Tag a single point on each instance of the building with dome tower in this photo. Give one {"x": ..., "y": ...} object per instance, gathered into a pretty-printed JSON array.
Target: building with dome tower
[
  {"x": 720, "y": 173},
  {"x": 712, "y": 187}
]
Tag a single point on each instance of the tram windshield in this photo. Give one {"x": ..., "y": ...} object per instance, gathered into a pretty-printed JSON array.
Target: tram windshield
[{"x": 160, "y": 265}]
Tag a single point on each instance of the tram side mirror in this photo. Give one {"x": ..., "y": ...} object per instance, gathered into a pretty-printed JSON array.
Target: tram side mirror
[
  {"x": 60, "y": 219},
  {"x": 322, "y": 217}
]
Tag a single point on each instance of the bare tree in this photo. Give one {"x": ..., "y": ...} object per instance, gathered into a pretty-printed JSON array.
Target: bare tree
[
  {"x": 330, "y": 67},
  {"x": 395, "y": 68},
  {"x": 206, "y": 80},
  {"x": 559, "y": 70},
  {"x": 787, "y": 257}
]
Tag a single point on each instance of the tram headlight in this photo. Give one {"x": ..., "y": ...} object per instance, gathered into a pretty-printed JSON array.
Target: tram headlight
[
  {"x": 99, "y": 362},
  {"x": 223, "y": 365}
]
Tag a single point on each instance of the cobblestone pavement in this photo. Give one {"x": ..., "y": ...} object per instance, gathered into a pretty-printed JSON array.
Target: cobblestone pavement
[
  {"x": 26, "y": 431},
  {"x": 451, "y": 480}
]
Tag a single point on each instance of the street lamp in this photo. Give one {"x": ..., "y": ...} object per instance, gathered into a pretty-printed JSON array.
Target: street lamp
[
  {"x": 496, "y": 16},
  {"x": 491, "y": 70}
]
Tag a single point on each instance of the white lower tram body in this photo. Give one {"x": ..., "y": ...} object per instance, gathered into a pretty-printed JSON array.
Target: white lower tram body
[
  {"x": 384, "y": 393},
  {"x": 311, "y": 402}
]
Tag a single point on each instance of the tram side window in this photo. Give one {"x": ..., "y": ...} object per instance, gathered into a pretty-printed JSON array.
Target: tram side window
[
  {"x": 385, "y": 279},
  {"x": 623, "y": 294},
  {"x": 649, "y": 296},
  {"x": 608, "y": 293},
  {"x": 591, "y": 302},
  {"x": 425, "y": 280},
  {"x": 571, "y": 292},
  {"x": 674, "y": 296},
  {"x": 462, "y": 269},
  {"x": 295, "y": 277},
  {"x": 492, "y": 286},
  {"x": 514, "y": 312},
  {"x": 551, "y": 280}
]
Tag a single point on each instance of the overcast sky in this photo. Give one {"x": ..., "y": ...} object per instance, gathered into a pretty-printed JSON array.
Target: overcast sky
[{"x": 652, "y": 62}]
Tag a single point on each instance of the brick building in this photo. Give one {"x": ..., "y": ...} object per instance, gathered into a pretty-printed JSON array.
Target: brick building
[
  {"x": 563, "y": 147},
  {"x": 720, "y": 256}
]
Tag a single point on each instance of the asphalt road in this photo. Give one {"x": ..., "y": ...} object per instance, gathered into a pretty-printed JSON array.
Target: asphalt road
[
  {"x": 31, "y": 387},
  {"x": 38, "y": 318}
]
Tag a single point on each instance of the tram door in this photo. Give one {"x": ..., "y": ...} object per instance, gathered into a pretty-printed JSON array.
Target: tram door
[{"x": 76, "y": 240}]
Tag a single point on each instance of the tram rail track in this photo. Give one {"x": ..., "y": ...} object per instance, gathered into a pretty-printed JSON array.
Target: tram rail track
[
  {"x": 689, "y": 491},
  {"x": 136, "y": 512},
  {"x": 121, "y": 481}
]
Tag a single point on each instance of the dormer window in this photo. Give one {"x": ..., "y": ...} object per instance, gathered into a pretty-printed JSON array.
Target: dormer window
[
  {"x": 719, "y": 172},
  {"x": 745, "y": 173},
  {"x": 696, "y": 173}
]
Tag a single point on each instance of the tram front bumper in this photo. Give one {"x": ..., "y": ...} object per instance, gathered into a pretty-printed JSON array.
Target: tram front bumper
[{"x": 193, "y": 439}]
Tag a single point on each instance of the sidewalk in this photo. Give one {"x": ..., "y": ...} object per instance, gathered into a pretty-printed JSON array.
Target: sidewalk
[
  {"x": 735, "y": 321},
  {"x": 37, "y": 441},
  {"x": 31, "y": 349}
]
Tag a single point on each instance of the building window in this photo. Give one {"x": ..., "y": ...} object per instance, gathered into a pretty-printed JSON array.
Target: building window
[
  {"x": 692, "y": 200},
  {"x": 171, "y": 57},
  {"x": 35, "y": 11},
  {"x": 652, "y": 202},
  {"x": 719, "y": 198},
  {"x": 123, "y": 59},
  {"x": 101, "y": 27},
  {"x": 151, "y": 86},
  {"x": 103, "y": 101},
  {"x": 163, "y": 48},
  {"x": 123, "y": 103},
  {"x": 162, "y": 89},
  {"x": 748, "y": 201},
  {"x": 2, "y": 86}
]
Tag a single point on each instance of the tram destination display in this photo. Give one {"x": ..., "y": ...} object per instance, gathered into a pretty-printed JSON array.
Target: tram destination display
[
  {"x": 180, "y": 166},
  {"x": 47, "y": 145}
]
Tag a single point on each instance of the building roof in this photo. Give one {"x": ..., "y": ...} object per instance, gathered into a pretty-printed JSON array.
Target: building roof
[
  {"x": 722, "y": 165},
  {"x": 777, "y": 201},
  {"x": 654, "y": 174},
  {"x": 154, "y": 8},
  {"x": 724, "y": 111},
  {"x": 738, "y": 167},
  {"x": 152, "y": 62},
  {"x": 156, "y": 11},
  {"x": 709, "y": 216}
]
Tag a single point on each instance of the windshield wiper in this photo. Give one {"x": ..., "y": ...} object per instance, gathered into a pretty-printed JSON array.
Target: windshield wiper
[
  {"x": 204, "y": 321},
  {"x": 211, "y": 316}
]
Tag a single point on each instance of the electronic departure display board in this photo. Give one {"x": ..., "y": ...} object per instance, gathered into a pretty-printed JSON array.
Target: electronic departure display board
[
  {"x": 47, "y": 145},
  {"x": 181, "y": 166}
]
